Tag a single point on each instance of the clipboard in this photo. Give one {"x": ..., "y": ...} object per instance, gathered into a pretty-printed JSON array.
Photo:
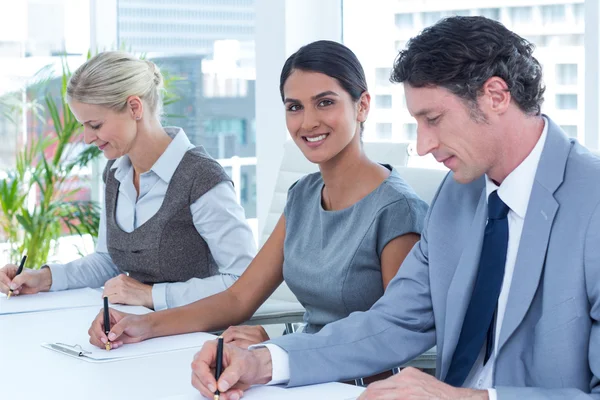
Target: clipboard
[
  {"x": 77, "y": 351},
  {"x": 68, "y": 349},
  {"x": 90, "y": 353}
]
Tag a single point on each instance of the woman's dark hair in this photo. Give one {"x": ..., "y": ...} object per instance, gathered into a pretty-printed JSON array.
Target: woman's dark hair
[
  {"x": 332, "y": 59},
  {"x": 462, "y": 53}
]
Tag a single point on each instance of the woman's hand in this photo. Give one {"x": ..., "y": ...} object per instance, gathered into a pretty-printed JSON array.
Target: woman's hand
[{"x": 245, "y": 335}]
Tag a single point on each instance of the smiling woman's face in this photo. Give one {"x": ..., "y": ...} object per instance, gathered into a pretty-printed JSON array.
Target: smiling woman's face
[
  {"x": 111, "y": 131},
  {"x": 320, "y": 115}
]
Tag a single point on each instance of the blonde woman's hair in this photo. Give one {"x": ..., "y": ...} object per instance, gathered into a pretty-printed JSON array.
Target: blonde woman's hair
[{"x": 108, "y": 79}]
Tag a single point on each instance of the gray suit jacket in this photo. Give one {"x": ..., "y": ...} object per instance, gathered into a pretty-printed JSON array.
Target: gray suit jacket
[{"x": 549, "y": 344}]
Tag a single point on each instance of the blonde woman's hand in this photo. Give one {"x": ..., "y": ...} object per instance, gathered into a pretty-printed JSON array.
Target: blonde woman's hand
[
  {"x": 245, "y": 335},
  {"x": 123, "y": 289}
]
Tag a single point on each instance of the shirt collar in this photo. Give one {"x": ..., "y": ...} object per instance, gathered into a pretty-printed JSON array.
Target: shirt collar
[
  {"x": 515, "y": 190},
  {"x": 167, "y": 163}
]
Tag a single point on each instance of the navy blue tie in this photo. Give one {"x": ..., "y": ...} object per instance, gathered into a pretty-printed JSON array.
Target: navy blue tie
[{"x": 479, "y": 319}]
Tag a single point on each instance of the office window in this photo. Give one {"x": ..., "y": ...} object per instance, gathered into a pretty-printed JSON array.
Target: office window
[
  {"x": 383, "y": 130},
  {"x": 566, "y": 74},
  {"x": 462, "y": 13},
  {"x": 383, "y": 101},
  {"x": 566, "y": 101},
  {"x": 570, "y": 130},
  {"x": 491, "y": 13},
  {"x": 553, "y": 14},
  {"x": 399, "y": 45},
  {"x": 521, "y": 15},
  {"x": 382, "y": 76},
  {"x": 579, "y": 12},
  {"x": 559, "y": 51},
  {"x": 430, "y": 18},
  {"x": 410, "y": 132},
  {"x": 405, "y": 21},
  {"x": 573, "y": 40},
  {"x": 209, "y": 44}
]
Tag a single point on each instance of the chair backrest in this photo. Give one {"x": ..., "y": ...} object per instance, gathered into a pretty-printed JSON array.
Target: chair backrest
[
  {"x": 424, "y": 181},
  {"x": 294, "y": 166}
]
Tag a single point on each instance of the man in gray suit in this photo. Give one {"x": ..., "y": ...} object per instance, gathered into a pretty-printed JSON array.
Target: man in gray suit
[{"x": 506, "y": 277}]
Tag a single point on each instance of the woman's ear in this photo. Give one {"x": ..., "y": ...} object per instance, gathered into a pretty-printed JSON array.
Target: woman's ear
[
  {"x": 135, "y": 107},
  {"x": 364, "y": 105}
]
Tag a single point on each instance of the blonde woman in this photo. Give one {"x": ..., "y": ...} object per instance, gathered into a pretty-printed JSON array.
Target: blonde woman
[{"x": 171, "y": 231}]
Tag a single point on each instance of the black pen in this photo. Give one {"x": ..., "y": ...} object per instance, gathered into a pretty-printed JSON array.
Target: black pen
[
  {"x": 19, "y": 270},
  {"x": 219, "y": 365},
  {"x": 107, "y": 346}
]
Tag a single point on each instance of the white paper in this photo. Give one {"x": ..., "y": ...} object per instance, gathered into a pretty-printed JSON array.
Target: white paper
[
  {"x": 329, "y": 391},
  {"x": 136, "y": 350},
  {"x": 46, "y": 301}
]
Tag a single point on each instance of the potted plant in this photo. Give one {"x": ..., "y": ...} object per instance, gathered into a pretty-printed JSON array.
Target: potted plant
[{"x": 38, "y": 197}]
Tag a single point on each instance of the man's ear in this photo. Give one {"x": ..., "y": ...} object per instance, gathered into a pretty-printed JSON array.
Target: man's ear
[{"x": 496, "y": 94}]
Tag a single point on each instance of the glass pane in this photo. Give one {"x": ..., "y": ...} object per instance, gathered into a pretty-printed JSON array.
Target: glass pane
[
  {"x": 209, "y": 46},
  {"x": 492, "y": 13},
  {"x": 521, "y": 15},
  {"x": 566, "y": 101},
  {"x": 383, "y": 131},
  {"x": 560, "y": 51},
  {"x": 554, "y": 14},
  {"x": 383, "y": 101},
  {"x": 410, "y": 131},
  {"x": 405, "y": 21},
  {"x": 248, "y": 190},
  {"x": 570, "y": 130},
  {"x": 566, "y": 74},
  {"x": 382, "y": 76}
]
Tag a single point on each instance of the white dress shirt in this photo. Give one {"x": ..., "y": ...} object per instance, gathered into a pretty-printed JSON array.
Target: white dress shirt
[
  {"x": 218, "y": 218},
  {"x": 514, "y": 191}
]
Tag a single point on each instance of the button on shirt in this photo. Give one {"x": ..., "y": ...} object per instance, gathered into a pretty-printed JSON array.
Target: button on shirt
[
  {"x": 217, "y": 216},
  {"x": 514, "y": 191}
]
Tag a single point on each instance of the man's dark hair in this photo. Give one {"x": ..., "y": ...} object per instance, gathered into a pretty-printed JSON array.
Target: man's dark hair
[{"x": 462, "y": 53}]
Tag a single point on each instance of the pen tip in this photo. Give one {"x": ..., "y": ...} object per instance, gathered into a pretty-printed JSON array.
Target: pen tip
[
  {"x": 9, "y": 294},
  {"x": 216, "y": 397}
]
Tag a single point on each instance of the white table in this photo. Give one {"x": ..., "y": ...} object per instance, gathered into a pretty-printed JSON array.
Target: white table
[{"x": 29, "y": 371}]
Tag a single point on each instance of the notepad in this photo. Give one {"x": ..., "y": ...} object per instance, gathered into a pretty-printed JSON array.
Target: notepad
[
  {"x": 46, "y": 301},
  {"x": 90, "y": 353},
  {"x": 329, "y": 391}
]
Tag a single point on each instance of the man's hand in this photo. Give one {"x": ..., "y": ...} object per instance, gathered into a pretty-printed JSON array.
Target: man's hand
[
  {"x": 245, "y": 335},
  {"x": 412, "y": 384},
  {"x": 125, "y": 290},
  {"x": 27, "y": 282},
  {"x": 241, "y": 369}
]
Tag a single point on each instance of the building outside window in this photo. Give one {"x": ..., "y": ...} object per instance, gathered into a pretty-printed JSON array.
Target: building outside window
[
  {"x": 210, "y": 45},
  {"x": 560, "y": 51}
]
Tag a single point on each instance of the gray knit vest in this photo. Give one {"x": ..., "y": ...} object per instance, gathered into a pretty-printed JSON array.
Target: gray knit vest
[{"x": 167, "y": 247}]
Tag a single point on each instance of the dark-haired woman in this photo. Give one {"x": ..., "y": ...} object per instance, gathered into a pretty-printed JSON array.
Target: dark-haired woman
[{"x": 344, "y": 232}]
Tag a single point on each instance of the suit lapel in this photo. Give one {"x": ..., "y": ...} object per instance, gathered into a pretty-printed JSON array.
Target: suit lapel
[
  {"x": 537, "y": 227},
  {"x": 530, "y": 259},
  {"x": 459, "y": 291}
]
